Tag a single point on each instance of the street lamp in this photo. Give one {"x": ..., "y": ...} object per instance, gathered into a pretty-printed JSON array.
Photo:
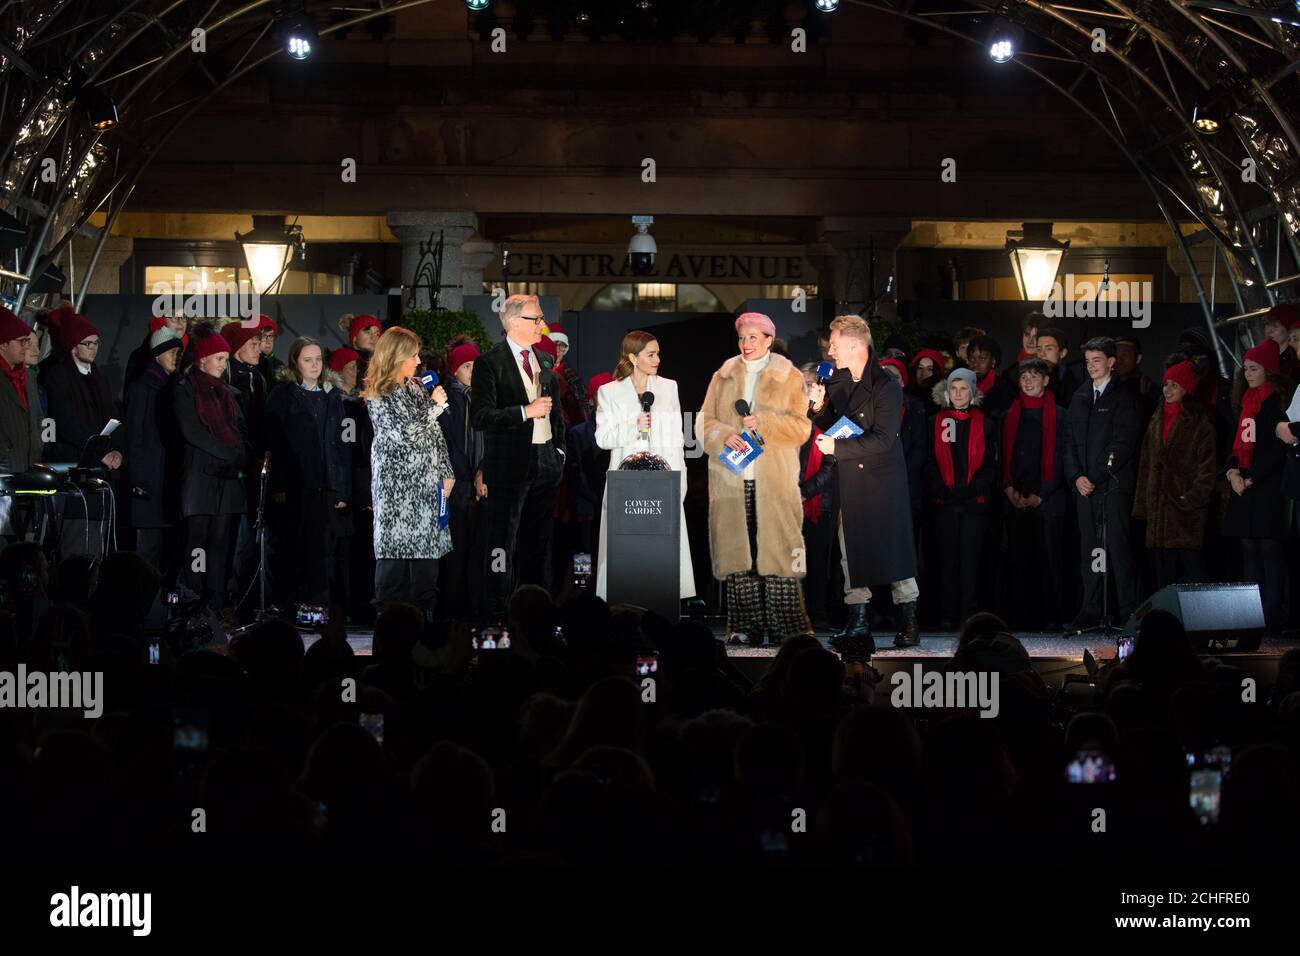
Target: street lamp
[
  {"x": 1035, "y": 259},
  {"x": 267, "y": 248}
]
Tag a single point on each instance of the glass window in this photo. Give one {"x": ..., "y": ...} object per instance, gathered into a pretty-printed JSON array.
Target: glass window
[
  {"x": 186, "y": 280},
  {"x": 656, "y": 297},
  {"x": 613, "y": 298},
  {"x": 697, "y": 298}
]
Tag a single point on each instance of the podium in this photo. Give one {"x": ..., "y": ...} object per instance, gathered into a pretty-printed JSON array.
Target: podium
[{"x": 643, "y": 540}]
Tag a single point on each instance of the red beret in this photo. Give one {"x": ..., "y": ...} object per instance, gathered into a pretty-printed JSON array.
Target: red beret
[
  {"x": 11, "y": 327},
  {"x": 237, "y": 334},
  {"x": 1184, "y": 373},
  {"x": 70, "y": 327},
  {"x": 595, "y": 382},
  {"x": 458, "y": 356},
  {"x": 897, "y": 363},
  {"x": 341, "y": 357},
  {"x": 1266, "y": 354},
  {"x": 934, "y": 357},
  {"x": 362, "y": 322}
]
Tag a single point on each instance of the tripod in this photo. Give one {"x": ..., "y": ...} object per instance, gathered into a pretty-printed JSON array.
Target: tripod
[{"x": 1105, "y": 628}]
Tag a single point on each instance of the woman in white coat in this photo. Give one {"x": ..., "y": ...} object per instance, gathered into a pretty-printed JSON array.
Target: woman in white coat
[{"x": 623, "y": 428}]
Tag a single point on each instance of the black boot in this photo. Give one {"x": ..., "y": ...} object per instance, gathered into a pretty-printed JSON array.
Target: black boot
[
  {"x": 909, "y": 633},
  {"x": 854, "y": 641}
]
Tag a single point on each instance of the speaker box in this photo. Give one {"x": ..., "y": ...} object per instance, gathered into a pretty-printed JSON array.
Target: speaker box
[{"x": 1211, "y": 613}]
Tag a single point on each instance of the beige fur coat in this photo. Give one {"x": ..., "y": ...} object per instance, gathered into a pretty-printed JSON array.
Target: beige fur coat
[{"x": 782, "y": 411}]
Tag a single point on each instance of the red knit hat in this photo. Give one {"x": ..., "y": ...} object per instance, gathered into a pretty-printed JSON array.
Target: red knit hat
[
  {"x": 934, "y": 356},
  {"x": 1284, "y": 312},
  {"x": 1266, "y": 354},
  {"x": 1184, "y": 373},
  {"x": 237, "y": 334},
  {"x": 360, "y": 322},
  {"x": 266, "y": 322},
  {"x": 11, "y": 327},
  {"x": 70, "y": 327},
  {"x": 208, "y": 341},
  {"x": 595, "y": 382},
  {"x": 458, "y": 356},
  {"x": 340, "y": 358},
  {"x": 898, "y": 364},
  {"x": 548, "y": 347}
]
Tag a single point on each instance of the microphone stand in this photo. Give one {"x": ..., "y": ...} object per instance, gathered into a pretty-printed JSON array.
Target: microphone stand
[
  {"x": 1105, "y": 628},
  {"x": 262, "y": 614}
]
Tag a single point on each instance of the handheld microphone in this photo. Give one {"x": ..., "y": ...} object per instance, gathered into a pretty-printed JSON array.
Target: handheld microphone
[
  {"x": 824, "y": 371},
  {"x": 647, "y": 400},
  {"x": 742, "y": 408},
  {"x": 429, "y": 380}
]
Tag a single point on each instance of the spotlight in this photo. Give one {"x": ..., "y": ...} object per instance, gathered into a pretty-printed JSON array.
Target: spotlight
[
  {"x": 477, "y": 5},
  {"x": 1004, "y": 39},
  {"x": 299, "y": 36},
  {"x": 1205, "y": 124},
  {"x": 827, "y": 6},
  {"x": 98, "y": 107}
]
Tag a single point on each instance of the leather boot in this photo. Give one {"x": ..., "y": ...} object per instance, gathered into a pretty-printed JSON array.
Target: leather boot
[
  {"x": 855, "y": 637},
  {"x": 909, "y": 633}
]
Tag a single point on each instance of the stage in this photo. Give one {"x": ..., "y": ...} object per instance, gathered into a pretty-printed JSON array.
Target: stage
[{"x": 1054, "y": 654}]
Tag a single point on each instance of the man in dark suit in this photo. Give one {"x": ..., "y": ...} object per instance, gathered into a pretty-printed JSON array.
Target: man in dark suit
[
  {"x": 512, "y": 402},
  {"x": 1101, "y": 466}
]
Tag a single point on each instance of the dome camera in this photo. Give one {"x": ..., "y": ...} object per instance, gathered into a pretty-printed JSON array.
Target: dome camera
[{"x": 641, "y": 248}]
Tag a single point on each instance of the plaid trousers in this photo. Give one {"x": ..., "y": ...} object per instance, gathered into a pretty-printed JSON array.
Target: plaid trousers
[{"x": 760, "y": 604}]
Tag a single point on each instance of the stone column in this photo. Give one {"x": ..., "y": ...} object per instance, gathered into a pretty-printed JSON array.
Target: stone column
[
  {"x": 419, "y": 232},
  {"x": 104, "y": 281},
  {"x": 855, "y": 241},
  {"x": 476, "y": 255}
]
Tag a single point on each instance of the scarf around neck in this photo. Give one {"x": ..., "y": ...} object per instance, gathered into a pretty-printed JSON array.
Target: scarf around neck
[
  {"x": 1168, "y": 411},
  {"x": 1251, "y": 402},
  {"x": 1047, "y": 466},
  {"x": 216, "y": 407},
  {"x": 18, "y": 376},
  {"x": 974, "y": 443}
]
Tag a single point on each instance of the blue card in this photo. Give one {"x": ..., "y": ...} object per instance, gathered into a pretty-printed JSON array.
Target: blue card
[
  {"x": 738, "y": 461},
  {"x": 444, "y": 510},
  {"x": 844, "y": 428}
]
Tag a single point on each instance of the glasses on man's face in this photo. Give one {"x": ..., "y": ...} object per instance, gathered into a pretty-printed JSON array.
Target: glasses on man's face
[
  {"x": 533, "y": 318},
  {"x": 92, "y": 344}
]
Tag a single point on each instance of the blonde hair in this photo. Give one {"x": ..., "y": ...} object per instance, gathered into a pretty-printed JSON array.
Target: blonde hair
[
  {"x": 634, "y": 343},
  {"x": 394, "y": 347},
  {"x": 514, "y": 305},
  {"x": 853, "y": 327}
]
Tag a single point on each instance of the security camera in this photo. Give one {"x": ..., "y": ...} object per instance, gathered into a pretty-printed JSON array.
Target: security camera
[{"x": 641, "y": 247}]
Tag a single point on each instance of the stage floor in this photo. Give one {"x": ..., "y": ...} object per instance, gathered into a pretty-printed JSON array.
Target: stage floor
[{"x": 1045, "y": 645}]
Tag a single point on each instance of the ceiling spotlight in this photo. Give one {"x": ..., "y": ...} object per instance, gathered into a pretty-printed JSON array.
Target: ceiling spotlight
[
  {"x": 99, "y": 107},
  {"x": 827, "y": 6},
  {"x": 1004, "y": 41},
  {"x": 298, "y": 34},
  {"x": 477, "y": 5}
]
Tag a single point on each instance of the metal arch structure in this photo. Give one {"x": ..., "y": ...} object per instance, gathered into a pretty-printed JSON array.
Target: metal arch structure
[{"x": 1139, "y": 69}]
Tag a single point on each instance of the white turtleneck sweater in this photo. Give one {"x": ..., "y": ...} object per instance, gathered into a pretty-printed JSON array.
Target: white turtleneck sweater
[{"x": 753, "y": 368}]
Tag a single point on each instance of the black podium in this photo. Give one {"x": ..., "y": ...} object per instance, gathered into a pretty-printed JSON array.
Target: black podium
[{"x": 643, "y": 540}]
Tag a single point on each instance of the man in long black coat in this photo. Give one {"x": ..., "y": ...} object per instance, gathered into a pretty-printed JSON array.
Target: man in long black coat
[
  {"x": 875, "y": 514},
  {"x": 1101, "y": 450}
]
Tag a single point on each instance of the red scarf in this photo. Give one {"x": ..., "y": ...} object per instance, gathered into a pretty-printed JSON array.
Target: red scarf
[
  {"x": 974, "y": 444},
  {"x": 1250, "y": 405},
  {"x": 1024, "y": 354},
  {"x": 1047, "y": 402},
  {"x": 1169, "y": 411},
  {"x": 985, "y": 384},
  {"x": 215, "y": 404},
  {"x": 812, "y": 508},
  {"x": 19, "y": 377}
]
